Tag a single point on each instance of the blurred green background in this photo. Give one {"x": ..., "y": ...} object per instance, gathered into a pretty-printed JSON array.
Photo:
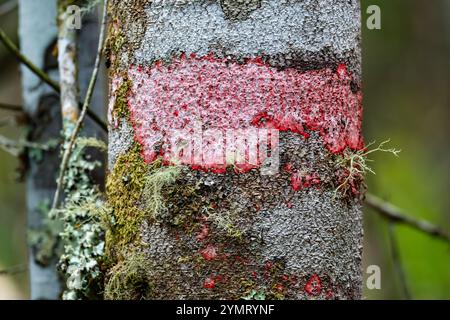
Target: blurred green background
[{"x": 406, "y": 68}]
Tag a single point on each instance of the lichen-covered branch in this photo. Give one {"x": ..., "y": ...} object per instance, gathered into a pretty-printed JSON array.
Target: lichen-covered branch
[
  {"x": 68, "y": 69},
  {"x": 74, "y": 131},
  {"x": 42, "y": 75},
  {"x": 13, "y": 271}
]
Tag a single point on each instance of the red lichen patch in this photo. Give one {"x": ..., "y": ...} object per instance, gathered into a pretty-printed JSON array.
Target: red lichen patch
[
  {"x": 207, "y": 112},
  {"x": 300, "y": 181},
  {"x": 268, "y": 265},
  {"x": 209, "y": 283},
  {"x": 203, "y": 233},
  {"x": 329, "y": 294},
  {"x": 219, "y": 278},
  {"x": 314, "y": 286},
  {"x": 209, "y": 253}
]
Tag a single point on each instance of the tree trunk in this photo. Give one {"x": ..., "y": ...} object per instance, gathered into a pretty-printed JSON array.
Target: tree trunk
[
  {"x": 37, "y": 28},
  {"x": 38, "y": 35},
  {"x": 230, "y": 124}
]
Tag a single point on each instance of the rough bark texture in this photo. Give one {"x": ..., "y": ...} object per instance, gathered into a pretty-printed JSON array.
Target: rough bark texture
[
  {"x": 38, "y": 36},
  {"x": 218, "y": 229}
]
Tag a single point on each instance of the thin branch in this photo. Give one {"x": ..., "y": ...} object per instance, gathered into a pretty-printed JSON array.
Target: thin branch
[
  {"x": 394, "y": 214},
  {"x": 16, "y": 147},
  {"x": 396, "y": 260},
  {"x": 87, "y": 101},
  {"x": 16, "y": 120},
  {"x": 36, "y": 70},
  {"x": 68, "y": 69},
  {"x": 10, "y": 107},
  {"x": 13, "y": 271},
  {"x": 7, "y": 7},
  {"x": 42, "y": 75}
]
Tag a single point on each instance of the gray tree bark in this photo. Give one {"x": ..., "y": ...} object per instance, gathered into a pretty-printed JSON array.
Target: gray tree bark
[
  {"x": 38, "y": 34},
  {"x": 184, "y": 229}
]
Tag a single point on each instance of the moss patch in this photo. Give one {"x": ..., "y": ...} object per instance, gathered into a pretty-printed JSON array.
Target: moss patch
[
  {"x": 129, "y": 280},
  {"x": 124, "y": 187},
  {"x": 120, "y": 109}
]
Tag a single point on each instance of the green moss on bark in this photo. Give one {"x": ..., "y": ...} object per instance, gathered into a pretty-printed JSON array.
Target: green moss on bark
[
  {"x": 129, "y": 280},
  {"x": 124, "y": 187},
  {"x": 120, "y": 109}
]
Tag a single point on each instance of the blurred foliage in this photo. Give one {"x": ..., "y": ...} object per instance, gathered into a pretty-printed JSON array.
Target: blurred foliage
[
  {"x": 406, "y": 69},
  {"x": 406, "y": 98}
]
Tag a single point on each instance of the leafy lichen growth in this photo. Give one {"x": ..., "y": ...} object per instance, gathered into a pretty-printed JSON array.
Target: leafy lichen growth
[
  {"x": 82, "y": 235},
  {"x": 44, "y": 240},
  {"x": 255, "y": 295}
]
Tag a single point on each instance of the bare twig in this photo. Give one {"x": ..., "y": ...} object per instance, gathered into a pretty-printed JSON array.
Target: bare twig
[
  {"x": 396, "y": 260},
  {"x": 42, "y": 75},
  {"x": 7, "y": 7},
  {"x": 16, "y": 119},
  {"x": 36, "y": 70},
  {"x": 394, "y": 214},
  {"x": 87, "y": 101},
  {"x": 13, "y": 271},
  {"x": 10, "y": 107},
  {"x": 16, "y": 147}
]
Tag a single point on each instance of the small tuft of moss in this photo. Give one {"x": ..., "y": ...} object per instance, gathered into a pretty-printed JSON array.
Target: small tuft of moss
[
  {"x": 129, "y": 280},
  {"x": 120, "y": 109}
]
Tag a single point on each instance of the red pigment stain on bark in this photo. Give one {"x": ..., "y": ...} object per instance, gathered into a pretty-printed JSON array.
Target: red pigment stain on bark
[
  {"x": 209, "y": 283},
  {"x": 209, "y": 253},
  {"x": 299, "y": 181},
  {"x": 268, "y": 265},
  {"x": 194, "y": 94},
  {"x": 285, "y": 277},
  {"x": 314, "y": 286}
]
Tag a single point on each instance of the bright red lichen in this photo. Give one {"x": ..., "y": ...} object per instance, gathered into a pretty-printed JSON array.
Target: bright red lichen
[
  {"x": 209, "y": 253},
  {"x": 300, "y": 181},
  {"x": 314, "y": 286},
  {"x": 209, "y": 283},
  {"x": 178, "y": 103}
]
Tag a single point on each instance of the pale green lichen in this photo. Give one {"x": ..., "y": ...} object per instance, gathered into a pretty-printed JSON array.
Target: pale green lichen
[
  {"x": 224, "y": 222},
  {"x": 356, "y": 164},
  {"x": 254, "y": 295},
  {"x": 83, "y": 233},
  {"x": 159, "y": 176},
  {"x": 44, "y": 240}
]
